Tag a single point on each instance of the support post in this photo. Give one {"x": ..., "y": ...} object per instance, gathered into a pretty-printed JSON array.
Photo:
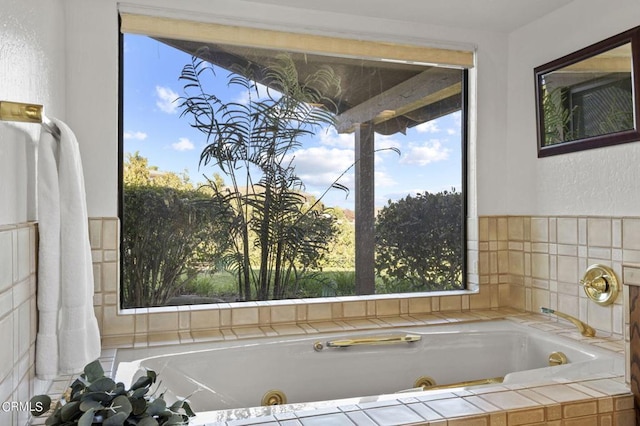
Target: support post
[{"x": 365, "y": 209}]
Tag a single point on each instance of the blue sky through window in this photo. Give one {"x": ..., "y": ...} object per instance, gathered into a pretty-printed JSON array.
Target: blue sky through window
[{"x": 430, "y": 157}]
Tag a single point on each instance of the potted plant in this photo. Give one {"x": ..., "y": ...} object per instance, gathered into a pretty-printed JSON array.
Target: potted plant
[{"x": 94, "y": 399}]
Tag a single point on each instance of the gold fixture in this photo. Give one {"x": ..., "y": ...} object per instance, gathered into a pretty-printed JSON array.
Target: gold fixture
[
  {"x": 274, "y": 397},
  {"x": 600, "y": 284},
  {"x": 17, "y": 111},
  {"x": 557, "y": 358},
  {"x": 28, "y": 113},
  {"x": 489, "y": 381},
  {"x": 424, "y": 382},
  {"x": 585, "y": 329},
  {"x": 369, "y": 340}
]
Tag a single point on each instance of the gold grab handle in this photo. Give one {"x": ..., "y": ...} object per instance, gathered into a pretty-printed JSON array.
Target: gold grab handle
[
  {"x": 489, "y": 381},
  {"x": 369, "y": 340}
]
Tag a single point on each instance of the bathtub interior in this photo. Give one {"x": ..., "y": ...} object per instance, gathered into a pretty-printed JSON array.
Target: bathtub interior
[{"x": 226, "y": 376}]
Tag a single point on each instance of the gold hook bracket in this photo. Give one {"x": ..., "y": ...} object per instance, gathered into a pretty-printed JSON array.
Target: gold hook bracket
[
  {"x": 18, "y": 111},
  {"x": 600, "y": 284}
]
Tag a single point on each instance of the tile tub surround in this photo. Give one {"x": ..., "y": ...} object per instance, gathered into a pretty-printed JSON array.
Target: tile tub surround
[
  {"x": 18, "y": 319},
  {"x": 603, "y": 400},
  {"x": 539, "y": 261},
  {"x": 522, "y": 262}
]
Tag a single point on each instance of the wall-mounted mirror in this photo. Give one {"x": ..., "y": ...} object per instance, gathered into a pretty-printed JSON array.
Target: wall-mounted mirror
[{"x": 590, "y": 99}]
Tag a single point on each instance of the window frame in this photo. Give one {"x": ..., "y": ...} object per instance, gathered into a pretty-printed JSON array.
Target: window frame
[{"x": 464, "y": 141}]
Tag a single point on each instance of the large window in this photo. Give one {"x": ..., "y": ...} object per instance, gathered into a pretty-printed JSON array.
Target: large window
[{"x": 258, "y": 173}]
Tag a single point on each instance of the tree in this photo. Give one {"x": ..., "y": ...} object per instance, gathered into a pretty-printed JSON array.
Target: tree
[
  {"x": 252, "y": 144},
  {"x": 419, "y": 241},
  {"x": 169, "y": 234}
]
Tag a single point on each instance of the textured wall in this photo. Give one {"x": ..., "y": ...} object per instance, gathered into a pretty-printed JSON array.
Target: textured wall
[{"x": 31, "y": 70}]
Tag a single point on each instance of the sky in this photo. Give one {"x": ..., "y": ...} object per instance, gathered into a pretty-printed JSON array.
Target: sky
[{"x": 429, "y": 160}]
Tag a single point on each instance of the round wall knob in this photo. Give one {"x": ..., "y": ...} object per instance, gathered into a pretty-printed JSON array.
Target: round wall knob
[{"x": 600, "y": 284}]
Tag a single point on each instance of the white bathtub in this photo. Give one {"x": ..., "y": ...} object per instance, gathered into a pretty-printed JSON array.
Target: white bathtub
[{"x": 226, "y": 375}]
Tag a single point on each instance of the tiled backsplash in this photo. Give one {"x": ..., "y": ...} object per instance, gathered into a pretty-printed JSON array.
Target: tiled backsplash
[
  {"x": 539, "y": 261},
  {"x": 514, "y": 261},
  {"x": 17, "y": 319}
]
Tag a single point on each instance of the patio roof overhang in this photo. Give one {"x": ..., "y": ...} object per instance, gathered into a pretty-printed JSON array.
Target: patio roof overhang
[{"x": 391, "y": 95}]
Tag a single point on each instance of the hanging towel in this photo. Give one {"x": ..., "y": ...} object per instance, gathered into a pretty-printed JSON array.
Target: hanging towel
[{"x": 68, "y": 337}]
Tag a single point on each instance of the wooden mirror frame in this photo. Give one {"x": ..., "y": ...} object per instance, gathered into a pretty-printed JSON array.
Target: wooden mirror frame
[{"x": 631, "y": 36}]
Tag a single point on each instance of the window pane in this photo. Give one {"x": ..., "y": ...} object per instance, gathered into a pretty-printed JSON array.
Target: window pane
[{"x": 239, "y": 181}]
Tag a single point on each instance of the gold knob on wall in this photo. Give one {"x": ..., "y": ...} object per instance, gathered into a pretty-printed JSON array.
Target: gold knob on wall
[{"x": 600, "y": 284}]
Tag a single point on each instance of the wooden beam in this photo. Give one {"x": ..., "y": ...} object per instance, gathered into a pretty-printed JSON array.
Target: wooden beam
[
  {"x": 365, "y": 209},
  {"x": 209, "y": 32},
  {"x": 424, "y": 89}
]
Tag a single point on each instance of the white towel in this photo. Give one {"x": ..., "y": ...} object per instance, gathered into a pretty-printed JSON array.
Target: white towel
[{"x": 68, "y": 337}]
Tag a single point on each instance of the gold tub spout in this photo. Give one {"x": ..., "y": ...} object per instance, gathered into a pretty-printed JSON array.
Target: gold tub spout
[{"x": 584, "y": 328}]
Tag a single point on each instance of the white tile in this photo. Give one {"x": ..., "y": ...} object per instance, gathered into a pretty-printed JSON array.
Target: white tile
[
  {"x": 6, "y": 260},
  {"x": 24, "y": 254},
  {"x": 6, "y": 348}
]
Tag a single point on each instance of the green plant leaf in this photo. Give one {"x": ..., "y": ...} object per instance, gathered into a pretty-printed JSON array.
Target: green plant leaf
[
  {"x": 148, "y": 421},
  {"x": 54, "y": 419},
  {"x": 121, "y": 404},
  {"x": 138, "y": 405},
  {"x": 104, "y": 384},
  {"x": 93, "y": 371},
  {"x": 182, "y": 405},
  {"x": 140, "y": 392},
  {"x": 156, "y": 407},
  {"x": 142, "y": 382},
  {"x": 87, "y": 418},
  {"x": 102, "y": 397},
  {"x": 120, "y": 389},
  {"x": 117, "y": 419},
  {"x": 90, "y": 404},
  {"x": 70, "y": 411},
  {"x": 39, "y": 405}
]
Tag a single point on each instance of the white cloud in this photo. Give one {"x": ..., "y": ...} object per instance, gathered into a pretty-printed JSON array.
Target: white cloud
[
  {"x": 183, "y": 144},
  {"x": 331, "y": 137},
  {"x": 383, "y": 180},
  {"x": 320, "y": 166},
  {"x": 457, "y": 118},
  {"x": 428, "y": 127},
  {"x": 425, "y": 153},
  {"x": 166, "y": 100},
  {"x": 261, "y": 94},
  {"x": 135, "y": 135}
]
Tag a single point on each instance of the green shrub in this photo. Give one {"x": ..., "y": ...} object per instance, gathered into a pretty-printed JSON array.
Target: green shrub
[{"x": 169, "y": 236}]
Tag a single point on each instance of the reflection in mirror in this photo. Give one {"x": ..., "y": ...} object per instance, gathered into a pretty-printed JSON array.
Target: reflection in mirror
[
  {"x": 236, "y": 190},
  {"x": 586, "y": 99}
]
